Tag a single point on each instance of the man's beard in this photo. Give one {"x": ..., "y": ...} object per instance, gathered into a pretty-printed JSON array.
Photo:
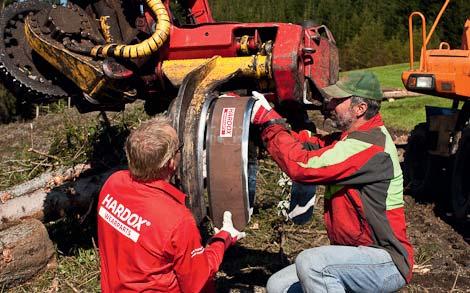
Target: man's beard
[{"x": 343, "y": 122}]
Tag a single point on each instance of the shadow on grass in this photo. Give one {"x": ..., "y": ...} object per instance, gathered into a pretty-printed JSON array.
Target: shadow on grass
[
  {"x": 443, "y": 210},
  {"x": 69, "y": 234},
  {"x": 244, "y": 269}
]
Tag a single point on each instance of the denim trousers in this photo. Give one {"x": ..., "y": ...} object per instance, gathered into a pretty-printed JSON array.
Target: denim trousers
[{"x": 338, "y": 269}]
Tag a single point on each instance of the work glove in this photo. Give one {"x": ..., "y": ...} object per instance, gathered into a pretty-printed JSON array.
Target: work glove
[
  {"x": 262, "y": 111},
  {"x": 227, "y": 225}
]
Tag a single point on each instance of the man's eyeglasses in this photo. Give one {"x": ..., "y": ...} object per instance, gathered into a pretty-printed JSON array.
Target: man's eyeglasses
[{"x": 180, "y": 147}]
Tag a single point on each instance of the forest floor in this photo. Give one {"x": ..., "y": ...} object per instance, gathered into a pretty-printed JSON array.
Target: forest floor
[{"x": 442, "y": 247}]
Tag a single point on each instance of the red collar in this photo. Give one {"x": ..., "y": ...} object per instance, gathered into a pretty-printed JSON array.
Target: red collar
[
  {"x": 169, "y": 189},
  {"x": 374, "y": 122}
]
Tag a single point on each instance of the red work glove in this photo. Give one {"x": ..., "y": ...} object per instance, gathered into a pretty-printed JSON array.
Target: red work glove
[{"x": 262, "y": 111}]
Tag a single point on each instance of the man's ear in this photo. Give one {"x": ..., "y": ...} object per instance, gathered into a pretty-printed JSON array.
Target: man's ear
[
  {"x": 360, "y": 109},
  {"x": 172, "y": 165}
]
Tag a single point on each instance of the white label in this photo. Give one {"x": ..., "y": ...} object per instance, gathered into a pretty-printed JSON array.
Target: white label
[
  {"x": 118, "y": 225},
  {"x": 197, "y": 251},
  {"x": 226, "y": 122}
]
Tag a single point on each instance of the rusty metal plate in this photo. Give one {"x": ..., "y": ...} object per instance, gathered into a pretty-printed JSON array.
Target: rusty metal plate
[
  {"x": 227, "y": 159},
  {"x": 189, "y": 122}
]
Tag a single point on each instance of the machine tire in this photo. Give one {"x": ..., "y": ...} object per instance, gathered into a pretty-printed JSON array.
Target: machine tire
[
  {"x": 460, "y": 181},
  {"x": 420, "y": 169}
]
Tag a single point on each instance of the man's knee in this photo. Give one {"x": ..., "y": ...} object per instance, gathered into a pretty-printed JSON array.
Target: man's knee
[
  {"x": 274, "y": 284},
  {"x": 311, "y": 262},
  {"x": 284, "y": 280}
]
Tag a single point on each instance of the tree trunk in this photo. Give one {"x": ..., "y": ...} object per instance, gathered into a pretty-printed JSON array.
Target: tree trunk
[
  {"x": 25, "y": 250},
  {"x": 25, "y": 247},
  {"x": 41, "y": 200}
]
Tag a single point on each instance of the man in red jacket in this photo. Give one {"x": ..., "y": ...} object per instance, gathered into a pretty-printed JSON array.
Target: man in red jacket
[
  {"x": 148, "y": 239},
  {"x": 364, "y": 208}
]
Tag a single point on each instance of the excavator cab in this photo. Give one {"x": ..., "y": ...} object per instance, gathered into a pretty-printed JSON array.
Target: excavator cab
[
  {"x": 437, "y": 159},
  {"x": 444, "y": 71}
]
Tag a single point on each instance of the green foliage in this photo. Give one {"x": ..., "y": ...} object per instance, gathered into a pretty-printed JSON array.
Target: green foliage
[
  {"x": 364, "y": 49},
  {"x": 77, "y": 138},
  {"x": 7, "y": 105},
  {"x": 75, "y": 143},
  {"x": 100, "y": 142},
  {"x": 23, "y": 166},
  {"x": 257, "y": 11},
  {"x": 426, "y": 252}
]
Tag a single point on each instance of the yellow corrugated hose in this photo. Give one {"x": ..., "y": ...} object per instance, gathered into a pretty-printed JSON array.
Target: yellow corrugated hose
[{"x": 145, "y": 48}]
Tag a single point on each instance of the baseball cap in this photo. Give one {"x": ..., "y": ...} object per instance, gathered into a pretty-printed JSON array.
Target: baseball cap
[{"x": 357, "y": 83}]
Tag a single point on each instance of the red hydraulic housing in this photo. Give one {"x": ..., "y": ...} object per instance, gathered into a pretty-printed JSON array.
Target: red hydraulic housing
[{"x": 301, "y": 57}]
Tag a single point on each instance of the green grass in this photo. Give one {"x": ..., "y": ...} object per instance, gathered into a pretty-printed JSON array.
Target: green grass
[
  {"x": 390, "y": 75},
  {"x": 77, "y": 273},
  {"x": 404, "y": 114}
]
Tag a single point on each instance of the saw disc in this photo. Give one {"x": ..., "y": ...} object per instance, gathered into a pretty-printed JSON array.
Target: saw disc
[{"x": 23, "y": 71}]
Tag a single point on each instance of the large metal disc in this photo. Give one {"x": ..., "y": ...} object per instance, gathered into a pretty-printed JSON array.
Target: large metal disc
[{"x": 227, "y": 159}]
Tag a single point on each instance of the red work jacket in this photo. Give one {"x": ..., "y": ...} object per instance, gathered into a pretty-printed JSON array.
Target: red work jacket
[
  {"x": 364, "y": 193},
  {"x": 148, "y": 239}
]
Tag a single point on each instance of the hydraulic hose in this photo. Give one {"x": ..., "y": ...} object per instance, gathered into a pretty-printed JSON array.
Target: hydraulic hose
[{"x": 145, "y": 48}]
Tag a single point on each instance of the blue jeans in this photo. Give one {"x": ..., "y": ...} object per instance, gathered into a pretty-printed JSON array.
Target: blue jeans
[{"x": 338, "y": 269}]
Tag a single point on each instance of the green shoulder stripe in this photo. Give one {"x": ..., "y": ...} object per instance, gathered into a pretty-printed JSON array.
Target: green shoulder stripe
[
  {"x": 340, "y": 152},
  {"x": 395, "y": 189}
]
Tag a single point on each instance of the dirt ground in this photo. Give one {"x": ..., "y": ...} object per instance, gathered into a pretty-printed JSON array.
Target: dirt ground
[{"x": 442, "y": 247}]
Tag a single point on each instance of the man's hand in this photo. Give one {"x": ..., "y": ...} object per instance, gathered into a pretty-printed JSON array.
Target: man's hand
[
  {"x": 227, "y": 225},
  {"x": 262, "y": 111}
]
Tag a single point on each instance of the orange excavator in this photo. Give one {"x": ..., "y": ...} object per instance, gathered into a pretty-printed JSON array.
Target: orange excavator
[{"x": 438, "y": 153}]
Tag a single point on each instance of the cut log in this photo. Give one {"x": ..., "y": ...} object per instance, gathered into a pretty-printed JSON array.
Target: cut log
[
  {"x": 48, "y": 179},
  {"x": 399, "y": 93},
  {"x": 48, "y": 204},
  {"x": 25, "y": 250}
]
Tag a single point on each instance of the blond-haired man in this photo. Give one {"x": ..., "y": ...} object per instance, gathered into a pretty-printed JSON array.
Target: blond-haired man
[{"x": 148, "y": 239}]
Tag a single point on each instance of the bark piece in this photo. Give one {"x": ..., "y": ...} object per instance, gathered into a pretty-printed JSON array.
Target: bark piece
[{"x": 25, "y": 250}]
